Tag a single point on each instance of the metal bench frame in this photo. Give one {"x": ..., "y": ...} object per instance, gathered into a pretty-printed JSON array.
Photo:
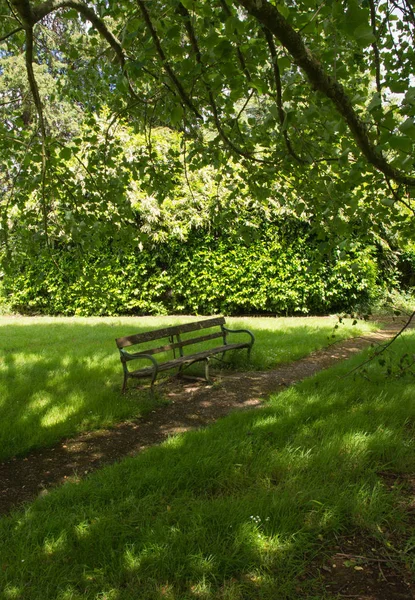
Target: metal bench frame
[{"x": 178, "y": 346}]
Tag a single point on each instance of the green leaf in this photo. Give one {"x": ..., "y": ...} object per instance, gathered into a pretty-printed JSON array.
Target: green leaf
[
  {"x": 402, "y": 143},
  {"x": 284, "y": 10},
  {"x": 273, "y": 109},
  {"x": 356, "y": 17},
  {"x": 223, "y": 48},
  {"x": 398, "y": 86},
  {"x": 230, "y": 25},
  {"x": 176, "y": 114},
  {"x": 410, "y": 96},
  {"x": 133, "y": 25},
  {"x": 70, "y": 14},
  {"x": 375, "y": 102},
  {"x": 258, "y": 85},
  {"x": 364, "y": 35},
  {"x": 408, "y": 128},
  {"x": 65, "y": 153}
]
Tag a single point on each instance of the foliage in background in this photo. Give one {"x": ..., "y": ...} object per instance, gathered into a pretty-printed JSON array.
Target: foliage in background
[
  {"x": 279, "y": 271},
  {"x": 134, "y": 230},
  {"x": 149, "y": 120}
]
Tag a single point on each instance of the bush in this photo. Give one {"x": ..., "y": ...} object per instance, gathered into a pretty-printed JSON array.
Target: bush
[
  {"x": 280, "y": 271},
  {"x": 406, "y": 268}
]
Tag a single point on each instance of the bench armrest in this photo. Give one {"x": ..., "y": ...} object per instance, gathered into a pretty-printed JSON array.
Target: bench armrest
[
  {"x": 226, "y": 330},
  {"x": 127, "y": 356}
]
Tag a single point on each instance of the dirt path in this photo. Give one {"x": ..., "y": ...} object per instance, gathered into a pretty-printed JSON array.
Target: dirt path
[{"x": 191, "y": 405}]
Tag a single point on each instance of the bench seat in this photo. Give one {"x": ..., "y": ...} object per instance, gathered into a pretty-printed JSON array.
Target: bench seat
[{"x": 182, "y": 360}]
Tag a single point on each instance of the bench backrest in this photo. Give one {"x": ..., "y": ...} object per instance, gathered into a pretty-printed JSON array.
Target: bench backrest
[{"x": 171, "y": 333}]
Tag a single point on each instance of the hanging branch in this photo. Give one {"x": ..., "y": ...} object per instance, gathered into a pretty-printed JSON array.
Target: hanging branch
[
  {"x": 268, "y": 14},
  {"x": 375, "y": 47},
  {"x": 42, "y": 122},
  {"x": 397, "y": 198},
  {"x": 384, "y": 347},
  {"x": 30, "y": 16},
  {"x": 15, "y": 178},
  {"x": 196, "y": 50},
  {"x": 278, "y": 87},
  {"x": 166, "y": 65},
  {"x": 11, "y": 101},
  {"x": 4, "y": 37},
  {"x": 241, "y": 57},
  {"x": 186, "y": 174}
]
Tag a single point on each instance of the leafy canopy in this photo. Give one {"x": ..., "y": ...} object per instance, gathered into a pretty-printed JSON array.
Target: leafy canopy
[{"x": 315, "y": 102}]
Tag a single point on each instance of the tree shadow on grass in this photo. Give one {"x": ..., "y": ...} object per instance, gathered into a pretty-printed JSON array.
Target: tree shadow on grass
[
  {"x": 236, "y": 511},
  {"x": 62, "y": 378},
  {"x": 58, "y": 380}
]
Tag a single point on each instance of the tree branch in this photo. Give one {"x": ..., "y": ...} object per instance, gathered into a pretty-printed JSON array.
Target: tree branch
[
  {"x": 241, "y": 57},
  {"x": 278, "y": 87},
  {"x": 383, "y": 348},
  {"x": 166, "y": 65},
  {"x": 32, "y": 81},
  {"x": 41, "y": 11},
  {"x": 268, "y": 15},
  {"x": 193, "y": 40},
  {"x": 42, "y": 122},
  {"x": 375, "y": 47},
  {"x": 11, "y": 101},
  {"x": 397, "y": 198},
  {"x": 31, "y": 16},
  {"x": 5, "y": 37}
]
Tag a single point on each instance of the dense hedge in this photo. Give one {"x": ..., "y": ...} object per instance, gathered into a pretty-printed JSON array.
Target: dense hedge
[
  {"x": 280, "y": 271},
  {"x": 406, "y": 268}
]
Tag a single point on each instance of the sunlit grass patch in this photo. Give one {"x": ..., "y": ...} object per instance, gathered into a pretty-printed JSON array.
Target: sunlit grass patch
[
  {"x": 62, "y": 376},
  {"x": 237, "y": 510}
]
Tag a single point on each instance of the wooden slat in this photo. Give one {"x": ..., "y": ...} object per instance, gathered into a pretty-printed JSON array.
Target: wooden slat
[
  {"x": 175, "y": 345},
  {"x": 182, "y": 360},
  {"x": 157, "y": 334}
]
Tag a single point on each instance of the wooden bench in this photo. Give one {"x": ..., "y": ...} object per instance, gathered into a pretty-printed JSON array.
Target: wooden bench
[{"x": 177, "y": 349}]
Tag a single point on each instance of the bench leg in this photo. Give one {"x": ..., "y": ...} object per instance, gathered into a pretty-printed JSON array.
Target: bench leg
[
  {"x": 153, "y": 380},
  {"x": 124, "y": 385},
  {"x": 207, "y": 370}
]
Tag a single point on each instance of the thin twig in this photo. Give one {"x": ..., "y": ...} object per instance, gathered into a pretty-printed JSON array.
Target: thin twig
[
  {"x": 5, "y": 37},
  {"x": 368, "y": 558},
  {"x": 278, "y": 88},
  {"x": 385, "y": 347},
  {"x": 166, "y": 64}
]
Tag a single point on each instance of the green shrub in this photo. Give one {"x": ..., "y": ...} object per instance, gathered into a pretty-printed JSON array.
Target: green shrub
[
  {"x": 406, "y": 268},
  {"x": 280, "y": 271}
]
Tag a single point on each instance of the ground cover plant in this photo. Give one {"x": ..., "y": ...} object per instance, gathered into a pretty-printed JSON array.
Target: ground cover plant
[
  {"x": 237, "y": 510},
  {"x": 61, "y": 376}
]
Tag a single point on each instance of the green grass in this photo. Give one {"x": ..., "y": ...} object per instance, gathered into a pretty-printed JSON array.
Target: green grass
[
  {"x": 234, "y": 512},
  {"x": 62, "y": 376}
]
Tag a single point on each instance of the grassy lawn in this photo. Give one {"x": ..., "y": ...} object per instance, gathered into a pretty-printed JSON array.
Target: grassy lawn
[
  {"x": 236, "y": 511},
  {"x": 61, "y": 376}
]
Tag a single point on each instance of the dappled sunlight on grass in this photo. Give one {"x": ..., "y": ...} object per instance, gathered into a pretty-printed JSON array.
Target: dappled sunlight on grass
[
  {"x": 53, "y": 545},
  {"x": 62, "y": 376},
  {"x": 234, "y": 511},
  {"x": 294, "y": 337},
  {"x": 11, "y": 592}
]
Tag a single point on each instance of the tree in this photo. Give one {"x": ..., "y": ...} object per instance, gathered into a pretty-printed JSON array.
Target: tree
[{"x": 317, "y": 95}]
